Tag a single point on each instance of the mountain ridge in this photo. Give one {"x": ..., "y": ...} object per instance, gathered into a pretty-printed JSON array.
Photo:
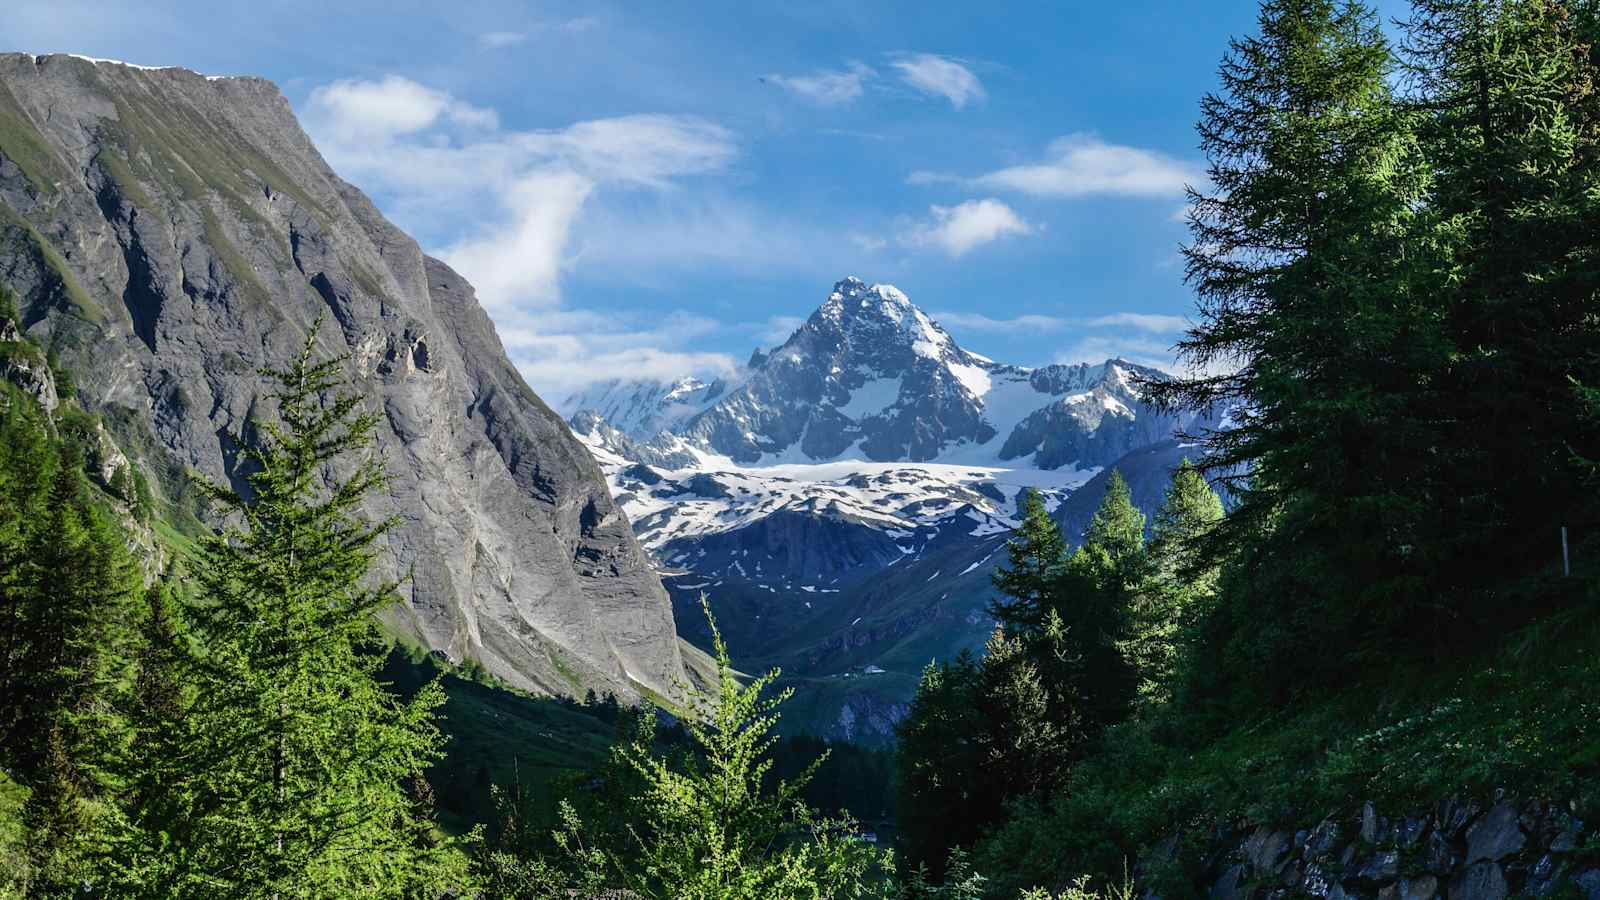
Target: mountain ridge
[{"x": 169, "y": 233}]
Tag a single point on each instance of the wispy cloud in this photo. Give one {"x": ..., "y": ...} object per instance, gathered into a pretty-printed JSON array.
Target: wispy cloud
[
  {"x": 777, "y": 329},
  {"x": 1148, "y": 323},
  {"x": 353, "y": 111},
  {"x": 496, "y": 40},
  {"x": 1098, "y": 348},
  {"x": 960, "y": 228},
  {"x": 983, "y": 323},
  {"x": 499, "y": 40},
  {"x": 829, "y": 87},
  {"x": 1155, "y": 324},
  {"x": 562, "y": 351},
  {"x": 512, "y": 203},
  {"x": 940, "y": 76},
  {"x": 1082, "y": 165}
]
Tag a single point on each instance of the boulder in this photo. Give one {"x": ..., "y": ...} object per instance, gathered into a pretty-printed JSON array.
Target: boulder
[
  {"x": 1496, "y": 836},
  {"x": 1481, "y": 881}
]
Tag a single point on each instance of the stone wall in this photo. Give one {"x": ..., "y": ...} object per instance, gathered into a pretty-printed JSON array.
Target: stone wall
[{"x": 1463, "y": 849}]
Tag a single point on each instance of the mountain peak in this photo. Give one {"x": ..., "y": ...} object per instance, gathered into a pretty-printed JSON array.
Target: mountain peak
[{"x": 875, "y": 320}]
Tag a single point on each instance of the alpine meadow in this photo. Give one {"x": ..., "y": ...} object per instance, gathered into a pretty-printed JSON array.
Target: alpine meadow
[{"x": 391, "y": 505}]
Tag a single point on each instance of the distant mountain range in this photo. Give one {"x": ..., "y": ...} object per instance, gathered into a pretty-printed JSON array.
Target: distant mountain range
[{"x": 843, "y": 499}]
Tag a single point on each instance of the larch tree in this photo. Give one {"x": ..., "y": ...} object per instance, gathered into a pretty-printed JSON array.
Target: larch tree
[{"x": 303, "y": 755}]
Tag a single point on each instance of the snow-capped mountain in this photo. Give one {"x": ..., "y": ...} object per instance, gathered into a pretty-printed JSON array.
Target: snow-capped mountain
[
  {"x": 870, "y": 376},
  {"x": 869, "y": 449}
]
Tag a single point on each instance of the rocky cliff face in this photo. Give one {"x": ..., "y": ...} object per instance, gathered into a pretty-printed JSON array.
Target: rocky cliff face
[{"x": 170, "y": 233}]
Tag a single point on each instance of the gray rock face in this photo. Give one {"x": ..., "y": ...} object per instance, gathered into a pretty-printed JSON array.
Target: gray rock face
[{"x": 170, "y": 234}]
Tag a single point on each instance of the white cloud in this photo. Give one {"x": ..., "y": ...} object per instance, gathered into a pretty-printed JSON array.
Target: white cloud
[
  {"x": 1156, "y": 324},
  {"x": 561, "y": 352},
  {"x": 1081, "y": 165},
  {"x": 520, "y": 260},
  {"x": 940, "y": 76},
  {"x": 1146, "y": 323},
  {"x": 514, "y": 211},
  {"x": 829, "y": 87},
  {"x": 499, "y": 40},
  {"x": 496, "y": 40},
  {"x": 353, "y": 110},
  {"x": 958, "y": 229}
]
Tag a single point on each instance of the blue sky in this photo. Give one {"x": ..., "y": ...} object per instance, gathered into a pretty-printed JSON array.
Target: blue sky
[{"x": 653, "y": 188}]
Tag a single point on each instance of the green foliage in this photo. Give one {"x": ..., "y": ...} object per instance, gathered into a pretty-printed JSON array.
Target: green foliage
[
  {"x": 1178, "y": 588},
  {"x": 67, "y": 609},
  {"x": 305, "y": 754},
  {"x": 944, "y": 801},
  {"x": 707, "y": 823},
  {"x": 1036, "y": 553}
]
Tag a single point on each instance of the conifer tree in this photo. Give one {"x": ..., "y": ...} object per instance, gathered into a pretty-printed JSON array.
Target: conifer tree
[
  {"x": 1032, "y": 722},
  {"x": 712, "y": 825},
  {"x": 1095, "y": 601},
  {"x": 1036, "y": 553},
  {"x": 1178, "y": 581},
  {"x": 1315, "y": 258},
  {"x": 1513, "y": 128},
  {"x": 944, "y": 800},
  {"x": 304, "y": 754},
  {"x": 152, "y": 844}
]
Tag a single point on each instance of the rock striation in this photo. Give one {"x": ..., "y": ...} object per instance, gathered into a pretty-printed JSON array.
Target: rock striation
[{"x": 169, "y": 234}]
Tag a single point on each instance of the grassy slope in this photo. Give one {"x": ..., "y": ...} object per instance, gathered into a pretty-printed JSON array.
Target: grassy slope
[
  {"x": 499, "y": 736},
  {"x": 1525, "y": 719}
]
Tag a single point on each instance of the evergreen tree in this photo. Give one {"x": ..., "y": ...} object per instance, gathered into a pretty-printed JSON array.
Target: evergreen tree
[
  {"x": 1032, "y": 722},
  {"x": 1178, "y": 581},
  {"x": 152, "y": 843},
  {"x": 940, "y": 752},
  {"x": 711, "y": 825},
  {"x": 1095, "y": 599},
  {"x": 1513, "y": 127},
  {"x": 1036, "y": 553},
  {"x": 1316, "y": 258},
  {"x": 304, "y": 754}
]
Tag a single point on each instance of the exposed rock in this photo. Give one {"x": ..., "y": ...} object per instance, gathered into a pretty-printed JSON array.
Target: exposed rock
[
  {"x": 1482, "y": 881},
  {"x": 1544, "y": 876},
  {"x": 1383, "y": 866},
  {"x": 24, "y": 366},
  {"x": 1266, "y": 848},
  {"x": 1424, "y": 887},
  {"x": 1231, "y": 886},
  {"x": 1512, "y": 850},
  {"x": 1322, "y": 839},
  {"x": 1408, "y": 831},
  {"x": 1495, "y": 836},
  {"x": 173, "y": 233}
]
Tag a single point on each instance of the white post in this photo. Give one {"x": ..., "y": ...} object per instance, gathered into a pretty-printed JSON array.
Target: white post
[{"x": 1566, "y": 568}]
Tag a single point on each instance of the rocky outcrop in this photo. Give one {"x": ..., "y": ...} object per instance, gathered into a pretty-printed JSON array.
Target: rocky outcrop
[
  {"x": 1461, "y": 848},
  {"x": 169, "y": 234},
  {"x": 23, "y": 365}
]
